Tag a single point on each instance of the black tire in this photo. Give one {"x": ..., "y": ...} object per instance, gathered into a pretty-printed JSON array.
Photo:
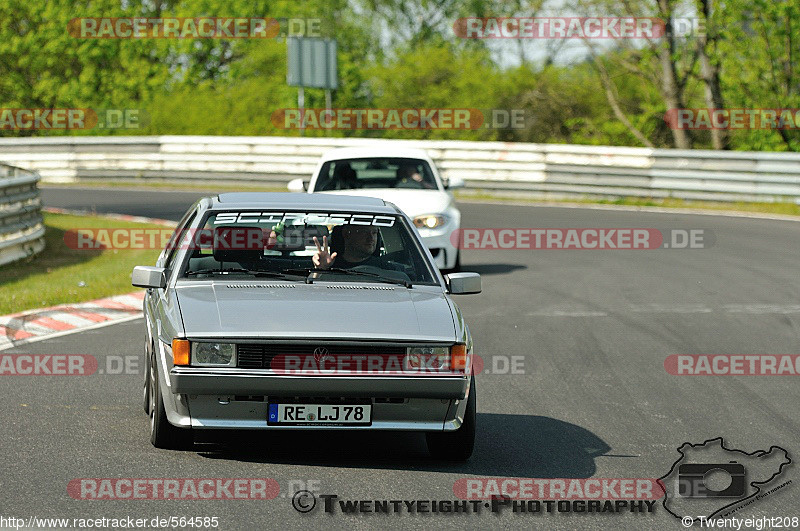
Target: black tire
[
  {"x": 146, "y": 386},
  {"x": 162, "y": 433},
  {"x": 456, "y": 445}
]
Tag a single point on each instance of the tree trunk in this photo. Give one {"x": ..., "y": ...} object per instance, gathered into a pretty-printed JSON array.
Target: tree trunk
[
  {"x": 671, "y": 88},
  {"x": 709, "y": 73}
]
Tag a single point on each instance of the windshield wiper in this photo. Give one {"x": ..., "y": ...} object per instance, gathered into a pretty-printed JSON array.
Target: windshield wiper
[
  {"x": 255, "y": 273},
  {"x": 376, "y": 276}
]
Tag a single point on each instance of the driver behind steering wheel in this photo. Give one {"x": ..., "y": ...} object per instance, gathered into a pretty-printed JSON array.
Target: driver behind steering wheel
[{"x": 358, "y": 247}]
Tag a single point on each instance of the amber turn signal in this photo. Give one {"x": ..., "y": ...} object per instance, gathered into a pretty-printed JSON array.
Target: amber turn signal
[
  {"x": 458, "y": 357},
  {"x": 180, "y": 352}
]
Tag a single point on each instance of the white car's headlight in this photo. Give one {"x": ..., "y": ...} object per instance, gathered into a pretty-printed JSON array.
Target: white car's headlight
[
  {"x": 429, "y": 221},
  {"x": 214, "y": 354}
]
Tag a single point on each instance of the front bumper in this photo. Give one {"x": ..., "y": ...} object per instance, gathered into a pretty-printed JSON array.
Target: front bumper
[
  {"x": 442, "y": 248},
  {"x": 413, "y": 414},
  {"x": 194, "y": 380},
  {"x": 204, "y": 398}
]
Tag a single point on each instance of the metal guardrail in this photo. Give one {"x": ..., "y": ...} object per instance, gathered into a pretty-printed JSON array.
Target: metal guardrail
[
  {"x": 21, "y": 223},
  {"x": 544, "y": 170}
]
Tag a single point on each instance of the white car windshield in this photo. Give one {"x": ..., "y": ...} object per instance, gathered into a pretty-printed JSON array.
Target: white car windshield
[
  {"x": 348, "y": 247},
  {"x": 376, "y": 172}
]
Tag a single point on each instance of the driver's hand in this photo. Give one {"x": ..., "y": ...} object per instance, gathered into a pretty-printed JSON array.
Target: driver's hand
[
  {"x": 323, "y": 258},
  {"x": 272, "y": 240}
]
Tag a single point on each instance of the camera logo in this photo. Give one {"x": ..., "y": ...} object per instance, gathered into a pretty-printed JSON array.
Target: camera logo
[
  {"x": 709, "y": 479},
  {"x": 698, "y": 480}
]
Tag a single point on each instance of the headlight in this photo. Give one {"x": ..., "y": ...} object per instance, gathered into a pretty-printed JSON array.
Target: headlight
[
  {"x": 429, "y": 221},
  {"x": 214, "y": 354},
  {"x": 427, "y": 359}
]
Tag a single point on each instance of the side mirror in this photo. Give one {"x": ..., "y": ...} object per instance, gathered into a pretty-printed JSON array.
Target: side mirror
[
  {"x": 149, "y": 277},
  {"x": 454, "y": 182},
  {"x": 463, "y": 283},
  {"x": 296, "y": 185}
]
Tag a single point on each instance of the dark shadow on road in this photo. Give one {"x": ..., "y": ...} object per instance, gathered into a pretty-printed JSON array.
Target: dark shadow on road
[
  {"x": 492, "y": 269},
  {"x": 506, "y": 445}
]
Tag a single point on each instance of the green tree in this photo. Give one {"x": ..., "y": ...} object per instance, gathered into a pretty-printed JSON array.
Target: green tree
[
  {"x": 43, "y": 66},
  {"x": 761, "y": 65}
]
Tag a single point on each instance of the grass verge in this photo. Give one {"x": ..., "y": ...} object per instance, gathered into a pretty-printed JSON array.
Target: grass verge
[{"x": 60, "y": 275}]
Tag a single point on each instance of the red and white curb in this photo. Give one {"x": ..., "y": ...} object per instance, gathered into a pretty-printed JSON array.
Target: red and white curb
[{"x": 45, "y": 323}]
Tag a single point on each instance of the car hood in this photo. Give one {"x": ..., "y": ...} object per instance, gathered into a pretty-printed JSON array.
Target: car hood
[
  {"x": 321, "y": 310},
  {"x": 412, "y": 202}
]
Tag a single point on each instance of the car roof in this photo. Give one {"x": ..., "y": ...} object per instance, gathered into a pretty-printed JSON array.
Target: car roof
[
  {"x": 376, "y": 150},
  {"x": 301, "y": 201}
]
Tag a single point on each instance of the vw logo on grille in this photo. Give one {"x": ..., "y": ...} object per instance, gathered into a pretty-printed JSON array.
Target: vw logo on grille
[{"x": 321, "y": 353}]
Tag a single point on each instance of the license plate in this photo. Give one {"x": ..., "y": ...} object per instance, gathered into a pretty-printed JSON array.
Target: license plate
[{"x": 322, "y": 414}]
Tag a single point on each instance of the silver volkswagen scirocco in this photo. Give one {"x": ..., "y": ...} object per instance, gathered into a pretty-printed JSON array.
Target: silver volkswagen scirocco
[{"x": 276, "y": 311}]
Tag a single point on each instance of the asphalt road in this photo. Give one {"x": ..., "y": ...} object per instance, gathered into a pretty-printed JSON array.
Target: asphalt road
[{"x": 593, "y": 400}]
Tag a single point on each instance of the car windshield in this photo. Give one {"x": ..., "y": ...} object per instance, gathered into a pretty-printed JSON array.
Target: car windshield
[
  {"x": 376, "y": 172},
  {"x": 349, "y": 247}
]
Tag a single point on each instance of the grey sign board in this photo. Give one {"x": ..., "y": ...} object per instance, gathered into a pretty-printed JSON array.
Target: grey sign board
[{"x": 312, "y": 63}]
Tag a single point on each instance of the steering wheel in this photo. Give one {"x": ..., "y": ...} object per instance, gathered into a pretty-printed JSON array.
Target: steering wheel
[
  {"x": 388, "y": 273},
  {"x": 369, "y": 269}
]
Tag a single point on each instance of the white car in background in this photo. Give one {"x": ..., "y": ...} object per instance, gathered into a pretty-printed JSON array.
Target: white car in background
[{"x": 406, "y": 177}]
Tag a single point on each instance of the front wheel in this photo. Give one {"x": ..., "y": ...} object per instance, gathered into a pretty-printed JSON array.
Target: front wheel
[
  {"x": 456, "y": 445},
  {"x": 162, "y": 433},
  {"x": 146, "y": 386}
]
